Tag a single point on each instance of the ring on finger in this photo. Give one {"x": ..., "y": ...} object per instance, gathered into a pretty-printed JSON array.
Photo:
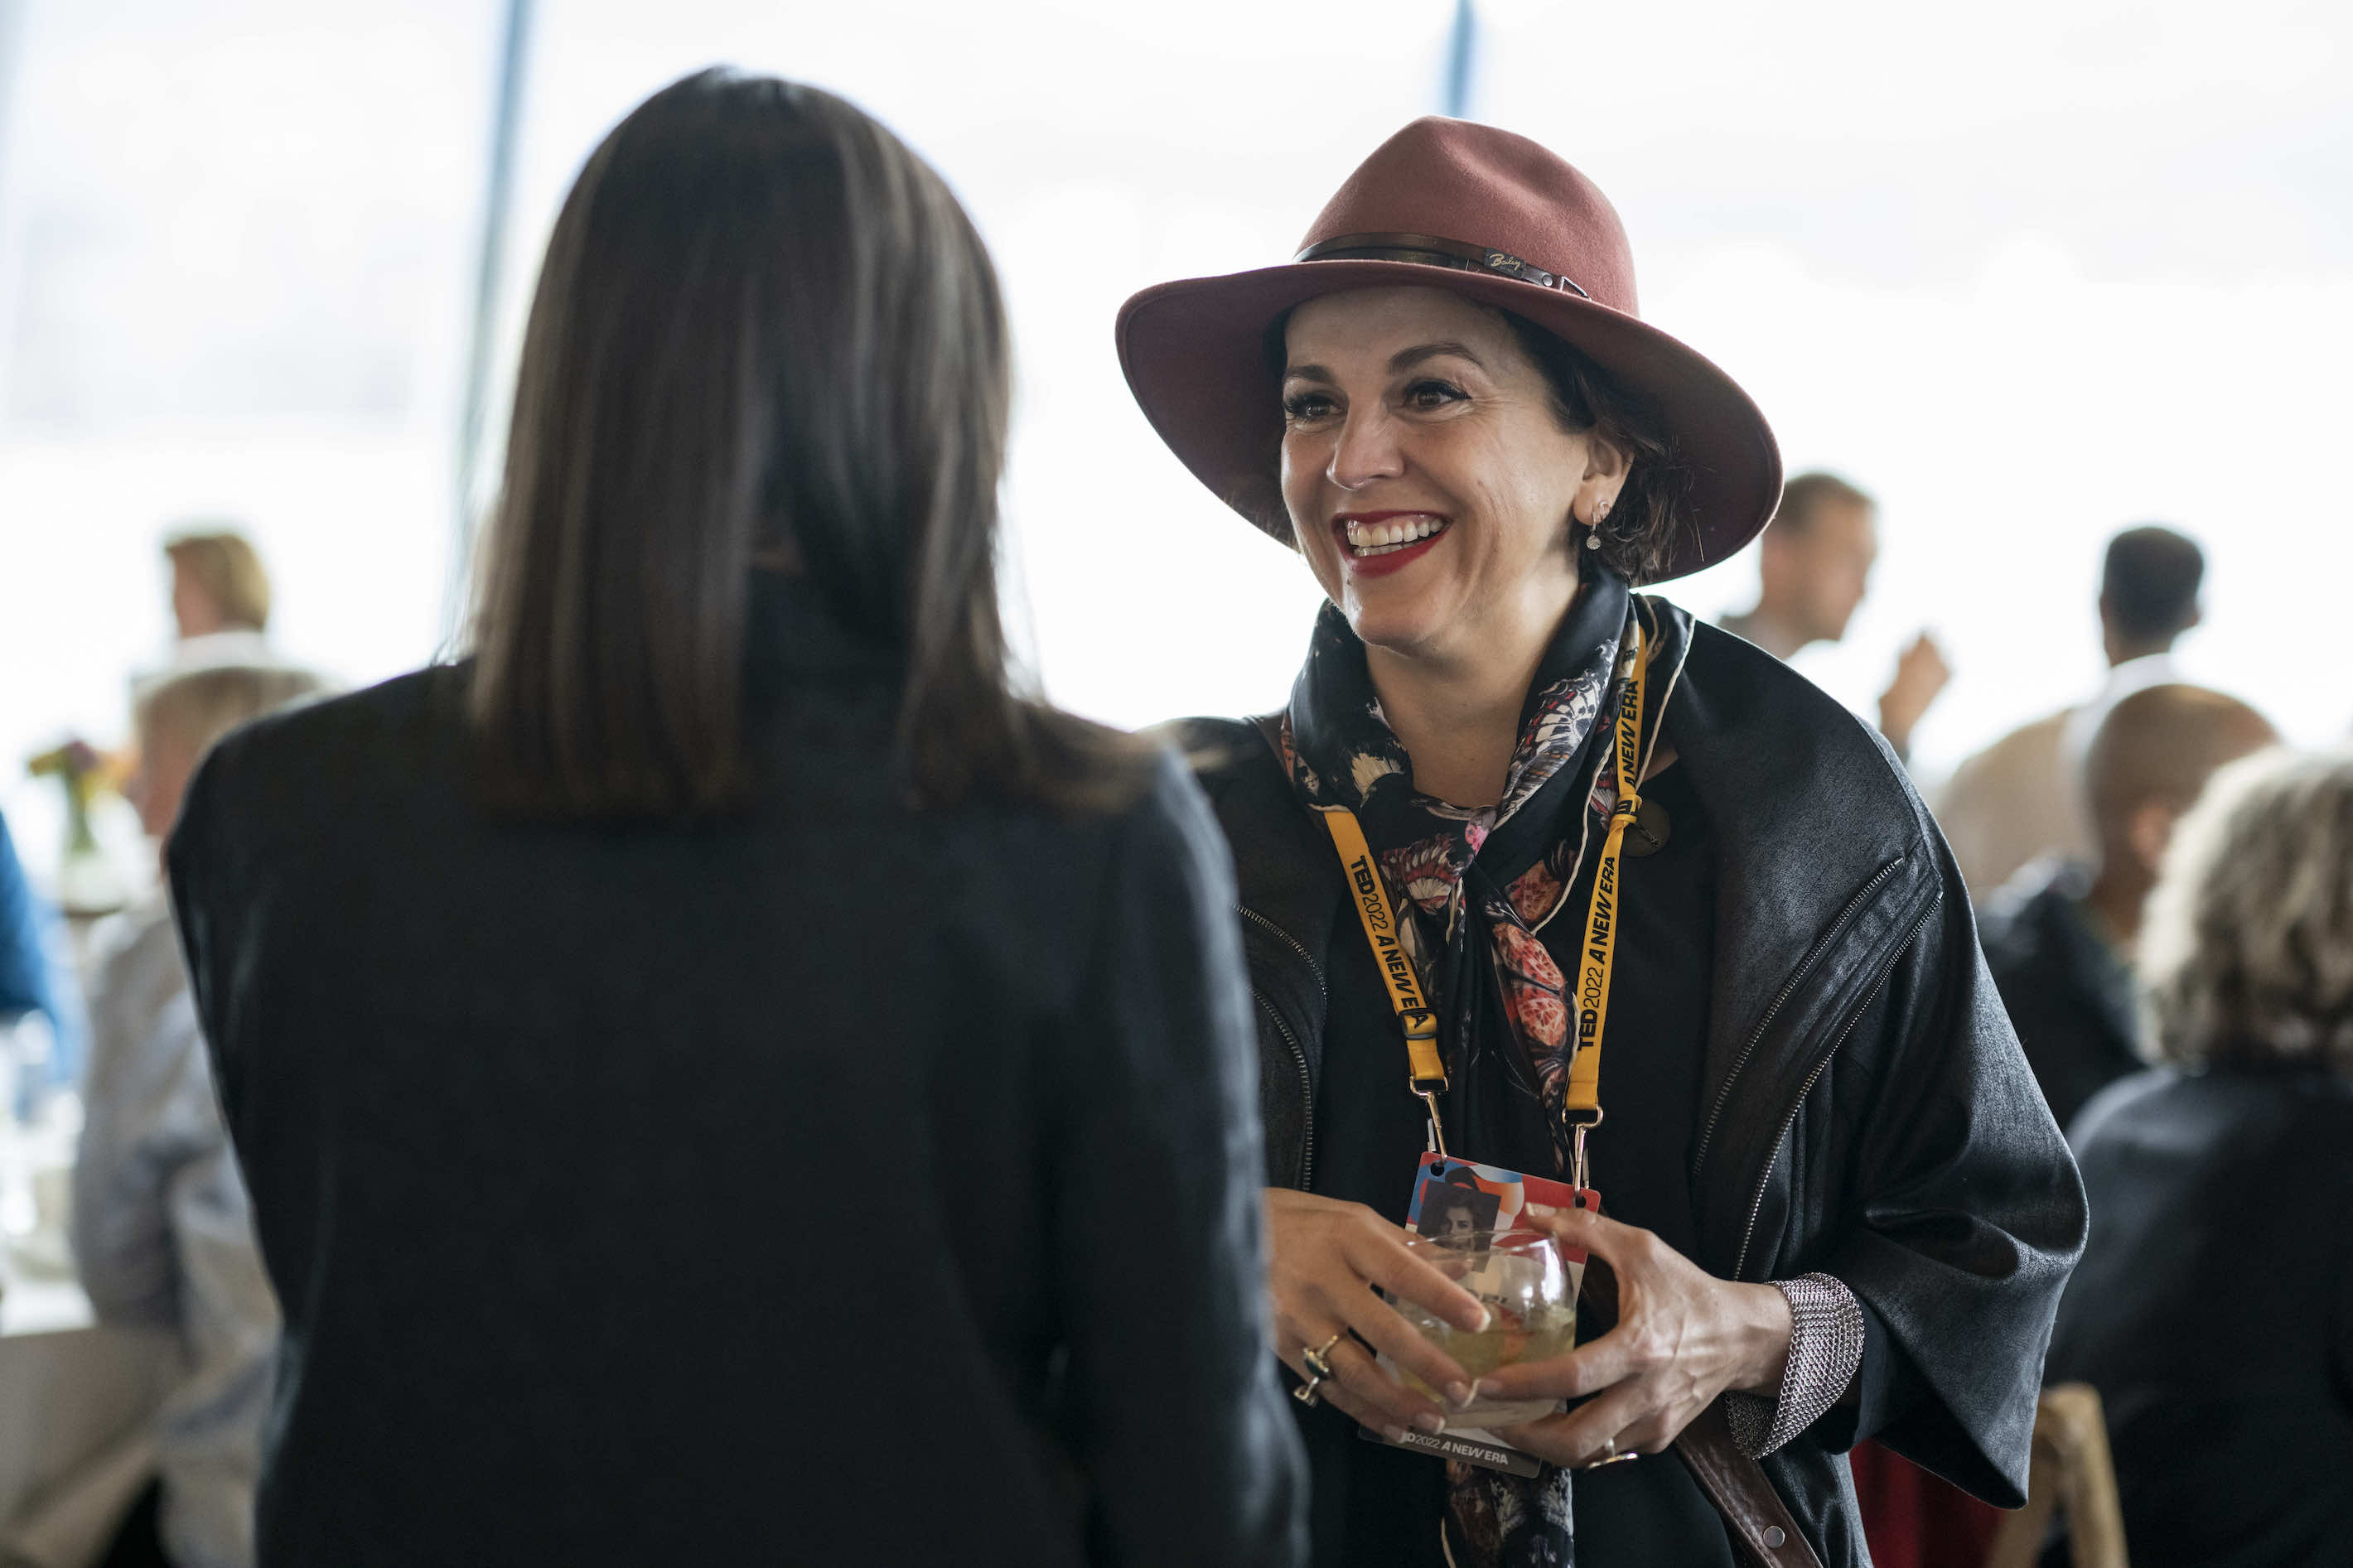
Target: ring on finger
[
  {"x": 1610, "y": 1455},
  {"x": 1319, "y": 1370}
]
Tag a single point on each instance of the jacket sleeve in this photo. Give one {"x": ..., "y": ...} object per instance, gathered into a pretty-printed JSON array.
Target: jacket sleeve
[
  {"x": 1191, "y": 1455},
  {"x": 1969, "y": 1216}
]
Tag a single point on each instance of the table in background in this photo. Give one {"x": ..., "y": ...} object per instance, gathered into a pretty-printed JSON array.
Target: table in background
[{"x": 75, "y": 1399}]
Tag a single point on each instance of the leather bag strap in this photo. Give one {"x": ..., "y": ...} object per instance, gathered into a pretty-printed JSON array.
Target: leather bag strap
[
  {"x": 1759, "y": 1521},
  {"x": 1762, "y": 1527}
]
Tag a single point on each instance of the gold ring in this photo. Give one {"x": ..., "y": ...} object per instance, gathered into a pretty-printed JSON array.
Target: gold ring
[
  {"x": 1305, "y": 1392},
  {"x": 1610, "y": 1455},
  {"x": 1314, "y": 1356}
]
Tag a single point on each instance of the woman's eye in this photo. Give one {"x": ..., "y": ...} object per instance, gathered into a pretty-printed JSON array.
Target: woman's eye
[
  {"x": 1302, "y": 407},
  {"x": 1426, "y": 395}
]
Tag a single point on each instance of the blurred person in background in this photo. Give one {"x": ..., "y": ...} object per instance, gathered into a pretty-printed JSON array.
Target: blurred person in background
[
  {"x": 163, "y": 1234},
  {"x": 541, "y": 987},
  {"x": 220, "y": 598},
  {"x": 1838, "y": 1206},
  {"x": 2021, "y": 797},
  {"x": 2061, "y": 938},
  {"x": 34, "y": 995},
  {"x": 2214, "y": 1307},
  {"x": 1813, "y": 570}
]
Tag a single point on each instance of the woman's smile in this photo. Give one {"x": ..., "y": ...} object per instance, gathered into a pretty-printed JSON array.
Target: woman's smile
[
  {"x": 1375, "y": 544},
  {"x": 1433, "y": 489}
]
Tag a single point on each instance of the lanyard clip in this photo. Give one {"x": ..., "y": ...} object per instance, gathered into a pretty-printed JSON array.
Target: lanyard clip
[
  {"x": 1426, "y": 1070},
  {"x": 1578, "y": 1176}
]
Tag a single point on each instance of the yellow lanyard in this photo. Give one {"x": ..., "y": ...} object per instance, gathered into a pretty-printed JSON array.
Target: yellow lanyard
[
  {"x": 1426, "y": 1070},
  {"x": 1582, "y": 1098}
]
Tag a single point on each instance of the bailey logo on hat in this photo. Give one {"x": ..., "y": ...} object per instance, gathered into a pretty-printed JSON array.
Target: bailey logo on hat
[{"x": 1492, "y": 217}]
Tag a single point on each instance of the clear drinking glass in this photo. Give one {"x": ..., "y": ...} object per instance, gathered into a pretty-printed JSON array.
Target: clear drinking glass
[{"x": 1531, "y": 1301}]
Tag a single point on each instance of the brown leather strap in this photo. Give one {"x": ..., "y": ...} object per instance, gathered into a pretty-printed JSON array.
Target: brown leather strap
[{"x": 1761, "y": 1522}]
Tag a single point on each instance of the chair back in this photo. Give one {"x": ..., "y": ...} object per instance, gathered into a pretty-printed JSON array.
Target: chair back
[{"x": 2070, "y": 1471}]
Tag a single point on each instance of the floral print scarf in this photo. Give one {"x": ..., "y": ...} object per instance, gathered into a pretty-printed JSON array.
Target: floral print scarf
[{"x": 1481, "y": 884}]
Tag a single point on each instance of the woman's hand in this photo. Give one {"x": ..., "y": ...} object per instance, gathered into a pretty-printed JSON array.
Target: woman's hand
[
  {"x": 1683, "y": 1337},
  {"x": 1325, "y": 1257}
]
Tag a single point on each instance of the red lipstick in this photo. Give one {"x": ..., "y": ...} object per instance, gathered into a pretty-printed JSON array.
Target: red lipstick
[{"x": 1390, "y": 560}]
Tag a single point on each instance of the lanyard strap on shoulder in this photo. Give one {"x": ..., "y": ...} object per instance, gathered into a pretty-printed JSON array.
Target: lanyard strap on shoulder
[
  {"x": 1425, "y": 1068},
  {"x": 1581, "y": 1100}
]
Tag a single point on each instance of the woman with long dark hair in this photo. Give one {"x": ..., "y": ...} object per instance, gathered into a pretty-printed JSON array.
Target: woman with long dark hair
[{"x": 722, "y": 1077}]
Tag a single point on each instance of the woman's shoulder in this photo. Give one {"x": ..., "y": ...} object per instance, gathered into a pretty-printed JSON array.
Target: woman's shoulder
[
  {"x": 1233, "y": 761},
  {"x": 1771, "y": 742},
  {"x": 2222, "y": 1109},
  {"x": 285, "y": 769},
  {"x": 393, "y": 712}
]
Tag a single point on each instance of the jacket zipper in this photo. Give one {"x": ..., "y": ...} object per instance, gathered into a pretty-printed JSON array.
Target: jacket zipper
[
  {"x": 1298, "y": 1051},
  {"x": 1805, "y": 967},
  {"x": 1855, "y": 1020},
  {"x": 1288, "y": 941},
  {"x": 1306, "y": 1092}
]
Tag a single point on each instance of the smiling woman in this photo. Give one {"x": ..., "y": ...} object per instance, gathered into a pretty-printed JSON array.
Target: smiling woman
[{"x": 1823, "y": 1153}]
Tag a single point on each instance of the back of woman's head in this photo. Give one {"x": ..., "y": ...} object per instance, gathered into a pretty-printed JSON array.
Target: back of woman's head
[
  {"x": 2246, "y": 949},
  {"x": 765, "y": 336}
]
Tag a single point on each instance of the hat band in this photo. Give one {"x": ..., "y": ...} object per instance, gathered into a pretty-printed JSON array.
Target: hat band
[{"x": 1428, "y": 250}]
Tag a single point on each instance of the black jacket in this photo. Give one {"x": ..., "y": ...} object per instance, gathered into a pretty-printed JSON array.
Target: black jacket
[
  {"x": 2067, "y": 993},
  {"x": 1869, "y": 1113},
  {"x": 2214, "y": 1313},
  {"x": 837, "y": 1183}
]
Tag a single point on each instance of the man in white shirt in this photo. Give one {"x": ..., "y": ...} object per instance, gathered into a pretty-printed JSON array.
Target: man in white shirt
[
  {"x": 1813, "y": 569},
  {"x": 2019, "y": 799}
]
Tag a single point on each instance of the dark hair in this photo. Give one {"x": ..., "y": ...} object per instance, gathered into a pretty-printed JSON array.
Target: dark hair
[
  {"x": 765, "y": 333},
  {"x": 2150, "y": 582},
  {"x": 1806, "y": 496},
  {"x": 1653, "y": 506},
  {"x": 1443, "y": 1198}
]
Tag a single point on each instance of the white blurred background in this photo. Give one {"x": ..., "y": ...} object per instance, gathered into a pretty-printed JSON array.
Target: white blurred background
[{"x": 2029, "y": 272}]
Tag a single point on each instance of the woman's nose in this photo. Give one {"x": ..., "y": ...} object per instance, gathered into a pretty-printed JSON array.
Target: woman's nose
[{"x": 1366, "y": 450}]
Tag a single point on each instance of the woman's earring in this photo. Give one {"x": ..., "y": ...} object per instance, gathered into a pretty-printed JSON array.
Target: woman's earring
[{"x": 1592, "y": 540}]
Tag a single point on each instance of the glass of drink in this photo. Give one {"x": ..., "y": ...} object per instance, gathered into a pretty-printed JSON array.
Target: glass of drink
[{"x": 1531, "y": 1301}]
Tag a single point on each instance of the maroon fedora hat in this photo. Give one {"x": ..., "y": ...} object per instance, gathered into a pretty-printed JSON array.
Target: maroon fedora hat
[{"x": 1496, "y": 218}]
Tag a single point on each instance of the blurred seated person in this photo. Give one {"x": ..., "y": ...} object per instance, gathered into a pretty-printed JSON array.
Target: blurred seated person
[
  {"x": 220, "y": 598},
  {"x": 160, "y": 1229},
  {"x": 2059, "y": 938},
  {"x": 1813, "y": 570},
  {"x": 2021, "y": 797},
  {"x": 2214, "y": 1308}
]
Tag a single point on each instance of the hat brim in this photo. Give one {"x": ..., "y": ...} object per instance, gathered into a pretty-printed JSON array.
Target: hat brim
[{"x": 1194, "y": 353}]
